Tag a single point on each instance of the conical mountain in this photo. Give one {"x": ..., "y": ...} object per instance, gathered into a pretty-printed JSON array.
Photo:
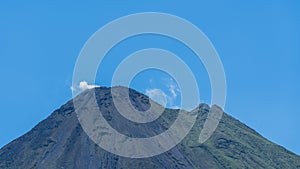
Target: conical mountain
[{"x": 59, "y": 142}]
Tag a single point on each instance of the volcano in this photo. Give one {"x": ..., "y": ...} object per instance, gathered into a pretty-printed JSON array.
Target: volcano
[{"x": 59, "y": 141}]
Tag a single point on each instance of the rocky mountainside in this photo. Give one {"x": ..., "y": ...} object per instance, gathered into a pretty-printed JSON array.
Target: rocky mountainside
[{"x": 59, "y": 142}]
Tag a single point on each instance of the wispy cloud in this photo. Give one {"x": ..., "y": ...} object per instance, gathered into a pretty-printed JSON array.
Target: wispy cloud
[
  {"x": 173, "y": 89},
  {"x": 165, "y": 99},
  {"x": 157, "y": 95},
  {"x": 83, "y": 85}
]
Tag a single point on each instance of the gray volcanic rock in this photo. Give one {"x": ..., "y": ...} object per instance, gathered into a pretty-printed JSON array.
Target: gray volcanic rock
[{"x": 59, "y": 142}]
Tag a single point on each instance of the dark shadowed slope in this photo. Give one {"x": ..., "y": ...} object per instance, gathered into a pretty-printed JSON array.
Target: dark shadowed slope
[{"x": 59, "y": 142}]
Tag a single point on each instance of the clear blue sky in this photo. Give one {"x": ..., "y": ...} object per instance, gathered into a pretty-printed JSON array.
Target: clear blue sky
[{"x": 258, "y": 43}]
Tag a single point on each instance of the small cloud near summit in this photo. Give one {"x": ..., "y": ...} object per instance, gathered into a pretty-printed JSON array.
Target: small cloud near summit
[{"x": 83, "y": 85}]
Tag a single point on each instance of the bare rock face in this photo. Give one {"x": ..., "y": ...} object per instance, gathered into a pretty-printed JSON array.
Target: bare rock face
[{"x": 59, "y": 142}]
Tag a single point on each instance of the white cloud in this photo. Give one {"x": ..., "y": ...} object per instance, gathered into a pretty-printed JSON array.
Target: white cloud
[
  {"x": 157, "y": 95},
  {"x": 175, "y": 107},
  {"x": 83, "y": 85},
  {"x": 173, "y": 89},
  {"x": 161, "y": 97},
  {"x": 73, "y": 89}
]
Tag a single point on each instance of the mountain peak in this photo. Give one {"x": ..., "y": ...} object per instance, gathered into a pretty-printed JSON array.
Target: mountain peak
[{"x": 59, "y": 141}]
